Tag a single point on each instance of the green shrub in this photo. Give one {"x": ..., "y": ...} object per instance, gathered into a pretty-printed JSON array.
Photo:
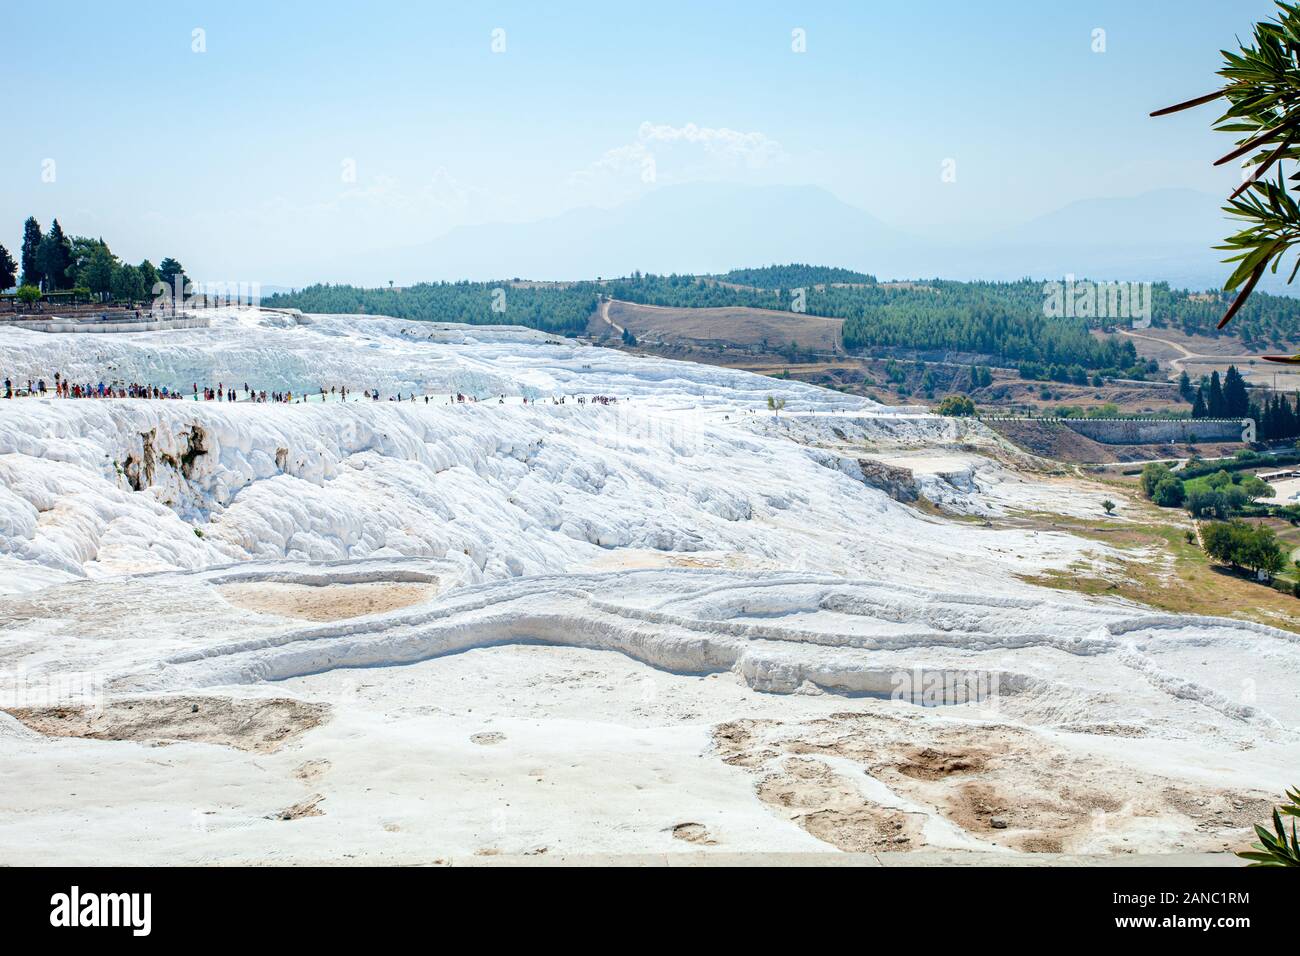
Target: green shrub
[
  {"x": 959, "y": 406},
  {"x": 1152, "y": 474},
  {"x": 1242, "y": 545},
  {"x": 1207, "y": 504},
  {"x": 1276, "y": 848},
  {"x": 1168, "y": 493}
]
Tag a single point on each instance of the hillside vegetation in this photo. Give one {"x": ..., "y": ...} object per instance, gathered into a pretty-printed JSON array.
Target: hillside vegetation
[
  {"x": 563, "y": 309},
  {"x": 1002, "y": 320},
  {"x": 794, "y": 276}
]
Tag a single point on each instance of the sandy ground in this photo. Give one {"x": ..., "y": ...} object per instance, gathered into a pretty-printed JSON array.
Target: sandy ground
[{"x": 324, "y": 602}]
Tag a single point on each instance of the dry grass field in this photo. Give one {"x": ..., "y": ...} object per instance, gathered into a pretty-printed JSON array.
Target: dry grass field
[
  {"x": 756, "y": 330},
  {"x": 1201, "y": 355}
]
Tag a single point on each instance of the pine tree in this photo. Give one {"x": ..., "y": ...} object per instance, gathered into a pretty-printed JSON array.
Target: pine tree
[
  {"x": 128, "y": 284},
  {"x": 27, "y": 257},
  {"x": 97, "y": 273}
]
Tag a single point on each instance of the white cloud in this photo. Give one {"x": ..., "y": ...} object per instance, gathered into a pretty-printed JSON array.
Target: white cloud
[
  {"x": 754, "y": 150},
  {"x": 661, "y": 151}
]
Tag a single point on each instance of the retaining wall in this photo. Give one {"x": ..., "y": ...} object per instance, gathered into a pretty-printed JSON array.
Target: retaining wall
[
  {"x": 102, "y": 326},
  {"x": 1149, "y": 431}
]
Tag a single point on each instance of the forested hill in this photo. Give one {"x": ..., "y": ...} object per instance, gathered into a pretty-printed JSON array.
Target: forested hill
[
  {"x": 561, "y": 308},
  {"x": 1005, "y": 320},
  {"x": 1265, "y": 319},
  {"x": 794, "y": 276}
]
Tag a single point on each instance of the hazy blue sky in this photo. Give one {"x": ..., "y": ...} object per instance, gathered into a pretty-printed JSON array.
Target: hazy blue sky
[{"x": 234, "y": 159}]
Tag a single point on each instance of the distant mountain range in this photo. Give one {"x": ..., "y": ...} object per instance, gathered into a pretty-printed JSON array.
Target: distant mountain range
[{"x": 1165, "y": 235}]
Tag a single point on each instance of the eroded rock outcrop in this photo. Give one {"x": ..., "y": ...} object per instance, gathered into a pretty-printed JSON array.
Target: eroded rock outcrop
[{"x": 898, "y": 483}]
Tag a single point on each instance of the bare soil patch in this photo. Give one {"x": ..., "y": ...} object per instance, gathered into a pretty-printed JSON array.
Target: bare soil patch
[
  {"x": 999, "y": 783},
  {"x": 831, "y": 808},
  {"x": 693, "y": 833},
  {"x": 930, "y": 763},
  {"x": 326, "y": 602},
  {"x": 749, "y": 329},
  {"x": 312, "y": 769},
  {"x": 303, "y": 808},
  {"x": 258, "y": 725}
]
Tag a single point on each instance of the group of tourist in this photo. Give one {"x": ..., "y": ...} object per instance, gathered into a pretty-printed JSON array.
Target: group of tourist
[
  {"x": 232, "y": 394},
  {"x": 63, "y": 388}
]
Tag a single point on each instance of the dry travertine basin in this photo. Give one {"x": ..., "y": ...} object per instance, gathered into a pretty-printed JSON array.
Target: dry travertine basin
[{"x": 325, "y": 602}]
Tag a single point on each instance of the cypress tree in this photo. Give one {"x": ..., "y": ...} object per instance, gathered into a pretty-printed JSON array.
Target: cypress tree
[
  {"x": 1198, "y": 406},
  {"x": 53, "y": 257},
  {"x": 1236, "y": 403},
  {"x": 1214, "y": 403},
  {"x": 31, "y": 242},
  {"x": 8, "y": 269}
]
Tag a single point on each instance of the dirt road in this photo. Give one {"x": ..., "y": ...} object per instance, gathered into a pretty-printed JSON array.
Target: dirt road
[{"x": 1179, "y": 364}]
